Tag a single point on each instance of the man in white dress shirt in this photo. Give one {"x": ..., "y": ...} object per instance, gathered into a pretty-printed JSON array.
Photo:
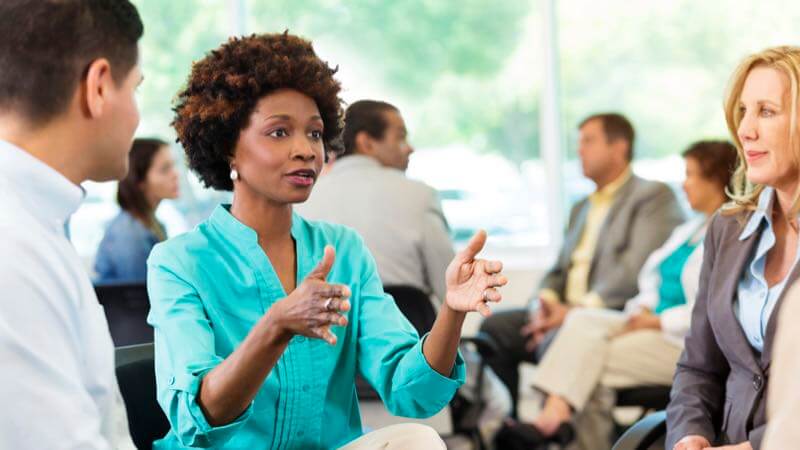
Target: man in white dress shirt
[
  {"x": 400, "y": 219},
  {"x": 68, "y": 72}
]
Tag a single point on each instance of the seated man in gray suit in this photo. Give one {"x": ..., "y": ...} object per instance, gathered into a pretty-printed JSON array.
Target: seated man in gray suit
[
  {"x": 609, "y": 236},
  {"x": 400, "y": 219}
]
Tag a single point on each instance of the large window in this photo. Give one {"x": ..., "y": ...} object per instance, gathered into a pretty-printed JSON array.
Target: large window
[
  {"x": 468, "y": 77},
  {"x": 465, "y": 77},
  {"x": 665, "y": 65},
  {"x": 465, "y": 81}
]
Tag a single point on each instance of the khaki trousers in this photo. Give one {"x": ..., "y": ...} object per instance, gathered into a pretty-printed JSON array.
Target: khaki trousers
[
  {"x": 410, "y": 436},
  {"x": 585, "y": 363}
]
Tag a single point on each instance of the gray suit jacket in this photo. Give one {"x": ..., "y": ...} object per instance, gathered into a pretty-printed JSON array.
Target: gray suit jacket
[
  {"x": 642, "y": 217},
  {"x": 721, "y": 381}
]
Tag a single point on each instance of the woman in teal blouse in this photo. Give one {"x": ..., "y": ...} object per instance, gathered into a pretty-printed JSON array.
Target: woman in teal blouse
[{"x": 263, "y": 319}]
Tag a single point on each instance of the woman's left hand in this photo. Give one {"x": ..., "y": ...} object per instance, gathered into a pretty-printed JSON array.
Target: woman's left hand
[
  {"x": 472, "y": 283},
  {"x": 643, "y": 320}
]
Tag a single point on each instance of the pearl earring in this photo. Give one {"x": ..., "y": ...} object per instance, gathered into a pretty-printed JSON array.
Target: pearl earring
[{"x": 234, "y": 174}]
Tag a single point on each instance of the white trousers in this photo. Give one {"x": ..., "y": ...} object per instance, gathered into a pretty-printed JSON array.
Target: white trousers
[
  {"x": 404, "y": 436},
  {"x": 586, "y": 362}
]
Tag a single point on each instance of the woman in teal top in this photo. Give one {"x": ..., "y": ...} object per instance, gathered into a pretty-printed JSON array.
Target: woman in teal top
[
  {"x": 263, "y": 319},
  {"x": 670, "y": 292}
]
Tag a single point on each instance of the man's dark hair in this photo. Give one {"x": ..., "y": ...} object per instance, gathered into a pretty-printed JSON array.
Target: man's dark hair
[
  {"x": 47, "y": 45},
  {"x": 367, "y": 116},
  {"x": 615, "y": 126}
]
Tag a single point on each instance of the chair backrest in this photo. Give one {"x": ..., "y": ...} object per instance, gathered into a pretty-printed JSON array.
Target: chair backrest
[
  {"x": 415, "y": 305},
  {"x": 652, "y": 398},
  {"x": 137, "y": 384},
  {"x": 126, "y": 307}
]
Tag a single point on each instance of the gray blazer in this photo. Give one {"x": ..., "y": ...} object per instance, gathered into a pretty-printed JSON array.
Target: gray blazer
[
  {"x": 721, "y": 381},
  {"x": 642, "y": 217}
]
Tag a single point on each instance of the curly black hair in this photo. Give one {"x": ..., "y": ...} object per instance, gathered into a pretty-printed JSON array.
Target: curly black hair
[{"x": 224, "y": 87}]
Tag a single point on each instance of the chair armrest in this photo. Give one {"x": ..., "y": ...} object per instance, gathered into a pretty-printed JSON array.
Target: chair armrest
[
  {"x": 132, "y": 353},
  {"x": 644, "y": 433}
]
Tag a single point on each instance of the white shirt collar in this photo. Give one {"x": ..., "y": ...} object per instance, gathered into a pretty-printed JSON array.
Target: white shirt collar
[
  {"x": 763, "y": 212},
  {"x": 355, "y": 161},
  {"x": 47, "y": 194}
]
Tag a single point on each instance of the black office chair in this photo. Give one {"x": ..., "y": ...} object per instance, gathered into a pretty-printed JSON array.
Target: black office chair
[
  {"x": 648, "y": 398},
  {"x": 651, "y": 398},
  {"x": 416, "y": 306},
  {"x": 126, "y": 307},
  {"x": 137, "y": 383},
  {"x": 647, "y": 434}
]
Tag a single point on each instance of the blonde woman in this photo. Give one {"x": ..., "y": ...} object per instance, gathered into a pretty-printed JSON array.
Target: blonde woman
[{"x": 718, "y": 396}]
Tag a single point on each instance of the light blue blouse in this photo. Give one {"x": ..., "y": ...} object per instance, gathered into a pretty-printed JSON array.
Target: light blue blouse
[
  {"x": 122, "y": 254},
  {"x": 210, "y": 286},
  {"x": 755, "y": 299}
]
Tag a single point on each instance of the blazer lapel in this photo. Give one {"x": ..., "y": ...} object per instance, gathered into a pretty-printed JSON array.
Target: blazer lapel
[
  {"x": 574, "y": 234},
  {"x": 616, "y": 206},
  {"x": 733, "y": 263}
]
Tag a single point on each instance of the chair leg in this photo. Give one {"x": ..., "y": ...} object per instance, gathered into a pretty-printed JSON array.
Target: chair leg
[{"x": 477, "y": 440}]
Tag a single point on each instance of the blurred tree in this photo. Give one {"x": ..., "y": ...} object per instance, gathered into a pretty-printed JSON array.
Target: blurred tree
[
  {"x": 177, "y": 32},
  {"x": 411, "y": 44},
  {"x": 663, "y": 64}
]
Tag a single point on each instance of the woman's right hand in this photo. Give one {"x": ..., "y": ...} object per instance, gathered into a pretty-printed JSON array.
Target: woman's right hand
[{"x": 314, "y": 305}]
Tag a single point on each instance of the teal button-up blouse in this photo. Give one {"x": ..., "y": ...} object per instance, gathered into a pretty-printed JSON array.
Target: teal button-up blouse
[{"x": 210, "y": 286}]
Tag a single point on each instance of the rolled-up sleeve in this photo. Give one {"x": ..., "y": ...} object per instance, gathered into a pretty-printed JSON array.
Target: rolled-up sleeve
[
  {"x": 390, "y": 355},
  {"x": 184, "y": 353}
]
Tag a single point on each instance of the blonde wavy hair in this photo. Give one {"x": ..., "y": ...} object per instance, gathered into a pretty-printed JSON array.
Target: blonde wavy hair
[{"x": 785, "y": 59}]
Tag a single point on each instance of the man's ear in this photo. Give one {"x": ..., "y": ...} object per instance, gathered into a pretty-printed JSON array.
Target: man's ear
[
  {"x": 95, "y": 88},
  {"x": 620, "y": 147},
  {"x": 364, "y": 143}
]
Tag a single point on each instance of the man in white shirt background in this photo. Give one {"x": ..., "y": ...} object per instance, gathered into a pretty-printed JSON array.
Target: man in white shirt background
[
  {"x": 67, "y": 115},
  {"x": 400, "y": 219}
]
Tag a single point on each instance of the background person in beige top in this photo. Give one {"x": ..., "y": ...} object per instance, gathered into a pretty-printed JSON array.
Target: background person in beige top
[
  {"x": 609, "y": 236},
  {"x": 783, "y": 398}
]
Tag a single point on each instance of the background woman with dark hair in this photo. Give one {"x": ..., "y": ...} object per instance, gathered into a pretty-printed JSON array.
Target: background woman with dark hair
[{"x": 122, "y": 255}]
